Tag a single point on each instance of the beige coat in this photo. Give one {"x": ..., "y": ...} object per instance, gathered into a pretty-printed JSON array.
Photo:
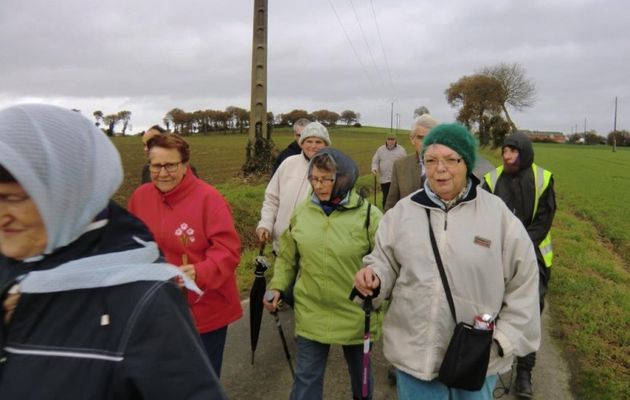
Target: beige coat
[{"x": 491, "y": 268}]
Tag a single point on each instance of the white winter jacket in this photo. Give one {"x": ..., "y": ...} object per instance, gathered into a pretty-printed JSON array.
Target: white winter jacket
[
  {"x": 491, "y": 268},
  {"x": 288, "y": 188}
]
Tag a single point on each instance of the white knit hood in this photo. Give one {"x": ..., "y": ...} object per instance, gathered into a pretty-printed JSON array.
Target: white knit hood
[{"x": 67, "y": 166}]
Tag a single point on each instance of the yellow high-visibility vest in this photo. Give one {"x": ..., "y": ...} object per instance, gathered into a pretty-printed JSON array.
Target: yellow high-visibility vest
[{"x": 542, "y": 177}]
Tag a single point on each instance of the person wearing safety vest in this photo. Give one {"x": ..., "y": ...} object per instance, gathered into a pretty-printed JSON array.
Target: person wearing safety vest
[{"x": 527, "y": 190}]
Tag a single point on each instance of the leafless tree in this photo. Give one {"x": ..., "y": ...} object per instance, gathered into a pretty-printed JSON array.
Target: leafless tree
[{"x": 518, "y": 91}]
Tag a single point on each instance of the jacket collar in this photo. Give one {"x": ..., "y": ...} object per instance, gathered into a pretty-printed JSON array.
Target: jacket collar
[
  {"x": 422, "y": 198},
  {"x": 181, "y": 191}
]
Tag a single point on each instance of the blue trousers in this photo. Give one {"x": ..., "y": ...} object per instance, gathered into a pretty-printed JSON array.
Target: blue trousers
[
  {"x": 411, "y": 388},
  {"x": 311, "y": 366},
  {"x": 214, "y": 343}
]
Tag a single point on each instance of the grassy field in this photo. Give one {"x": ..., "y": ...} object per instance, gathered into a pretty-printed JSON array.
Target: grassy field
[
  {"x": 590, "y": 279},
  {"x": 590, "y": 276},
  {"x": 218, "y": 159}
]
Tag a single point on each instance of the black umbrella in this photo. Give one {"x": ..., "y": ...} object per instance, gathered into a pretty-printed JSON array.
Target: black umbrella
[{"x": 256, "y": 297}]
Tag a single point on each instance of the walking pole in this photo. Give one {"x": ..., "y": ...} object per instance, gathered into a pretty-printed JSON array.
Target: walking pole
[
  {"x": 365, "y": 368},
  {"x": 374, "y": 189},
  {"x": 365, "y": 372},
  {"x": 282, "y": 337}
]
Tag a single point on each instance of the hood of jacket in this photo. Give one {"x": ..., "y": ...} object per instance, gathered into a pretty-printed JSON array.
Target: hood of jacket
[
  {"x": 346, "y": 172},
  {"x": 521, "y": 142}
]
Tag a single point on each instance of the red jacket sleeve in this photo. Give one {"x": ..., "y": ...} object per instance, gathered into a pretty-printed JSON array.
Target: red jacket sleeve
[{"x": 223, "y": 253}]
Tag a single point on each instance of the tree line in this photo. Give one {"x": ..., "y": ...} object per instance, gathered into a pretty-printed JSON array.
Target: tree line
[
  {"x": 619, "y": 138},
  {"x": 232, "y": 119}
]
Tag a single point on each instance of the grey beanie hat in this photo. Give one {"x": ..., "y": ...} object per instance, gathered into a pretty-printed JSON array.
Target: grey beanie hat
[
  {"x": 66, "y": 165},
  {"x": 315, "y": 129}
]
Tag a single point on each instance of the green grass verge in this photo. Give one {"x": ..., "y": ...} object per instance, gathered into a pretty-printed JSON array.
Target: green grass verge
[{"x": 590, "y": 276}]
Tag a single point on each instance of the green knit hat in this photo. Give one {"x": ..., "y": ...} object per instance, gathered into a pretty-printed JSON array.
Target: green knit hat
[{"x": 456, "y": 137}]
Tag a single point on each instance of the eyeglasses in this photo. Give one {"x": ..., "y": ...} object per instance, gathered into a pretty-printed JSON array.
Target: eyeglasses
[
  {"x": 448, "y": 162},
  {"x": 169, "y": 167},
  {"x": 321, "y": 181}
]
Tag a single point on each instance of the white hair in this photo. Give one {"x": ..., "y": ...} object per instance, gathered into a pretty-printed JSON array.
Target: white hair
[{"x": 424, "y": 121}]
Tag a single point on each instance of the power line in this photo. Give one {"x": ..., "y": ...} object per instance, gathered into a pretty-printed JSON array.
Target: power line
[
  {"x": 367, "y": 44},
  {"x": 380, "y": 39},
  {"x": 365, "y": 71}
]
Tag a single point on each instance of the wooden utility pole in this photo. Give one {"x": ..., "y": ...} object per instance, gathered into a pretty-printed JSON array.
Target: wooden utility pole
[
  {"x": 259, "y": 145},
  {"x": 615, "y": 128}
]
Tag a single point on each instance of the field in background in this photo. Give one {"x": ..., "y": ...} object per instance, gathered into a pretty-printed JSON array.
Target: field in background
[
  {"x": 590, "y": 279},
  {"x": 219, "y": 157}
]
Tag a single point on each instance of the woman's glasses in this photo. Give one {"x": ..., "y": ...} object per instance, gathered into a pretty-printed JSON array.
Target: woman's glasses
[
  {"x": 169, "y": 167},
  {"x": 322, "y": 181},
  {"x": 448, "y": 162}
]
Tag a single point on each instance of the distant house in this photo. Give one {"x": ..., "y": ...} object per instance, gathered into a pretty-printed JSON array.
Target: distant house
[{"x": 545, "y": 136}]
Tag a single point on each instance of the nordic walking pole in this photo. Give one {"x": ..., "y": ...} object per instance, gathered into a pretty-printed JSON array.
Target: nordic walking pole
[
  {"x": 282, "y": 337},
  {"x": 365, "y": 368},
  {"x": 374, "y": 189},
  {"x": 365, "y": 371}
]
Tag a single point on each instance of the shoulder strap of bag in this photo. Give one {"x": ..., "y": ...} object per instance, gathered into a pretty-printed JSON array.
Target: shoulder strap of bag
[
  {"x": 438, "y": 259},
  {"x": 367, "y": 227}
]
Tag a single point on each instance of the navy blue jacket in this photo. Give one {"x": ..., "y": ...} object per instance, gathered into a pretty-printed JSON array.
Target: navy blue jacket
[{"x": 56, "y": 346}]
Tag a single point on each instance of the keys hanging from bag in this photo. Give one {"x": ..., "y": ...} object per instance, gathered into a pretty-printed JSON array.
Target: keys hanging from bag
[{"x": 466, "y": 359}]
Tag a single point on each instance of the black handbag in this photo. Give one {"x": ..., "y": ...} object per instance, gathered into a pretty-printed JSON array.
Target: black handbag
[{"x": 466, "y": 359}]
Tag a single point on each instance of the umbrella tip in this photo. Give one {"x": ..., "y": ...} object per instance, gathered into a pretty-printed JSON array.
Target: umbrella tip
[{"x": 252, "y": 358}]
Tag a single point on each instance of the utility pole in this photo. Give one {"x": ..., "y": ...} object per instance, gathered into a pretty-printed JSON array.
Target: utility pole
[
  {"x": 258, "y": 158},
  {"x": 391, "y": 120},
  {"x": 615, "y": 128},
  {"x": 584, "y": 126}
]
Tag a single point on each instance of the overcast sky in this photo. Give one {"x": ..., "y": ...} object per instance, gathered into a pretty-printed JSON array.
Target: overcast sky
[{"x": 149, "y": 56}]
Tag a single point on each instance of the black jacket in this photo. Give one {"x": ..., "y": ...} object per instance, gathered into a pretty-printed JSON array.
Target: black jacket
[
  {"x": 517, "y": 189},
  {"x": 56, "y": 346},
  {"x": 292, "y": 149}
]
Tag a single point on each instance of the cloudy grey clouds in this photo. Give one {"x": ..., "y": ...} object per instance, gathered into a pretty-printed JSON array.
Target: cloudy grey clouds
[{"x": 151, "y": 56}]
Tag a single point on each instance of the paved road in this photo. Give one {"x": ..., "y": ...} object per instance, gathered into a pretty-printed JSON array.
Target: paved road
[
  {"x": 483, "y": 167},
  {"x": 270, "y": 379}
]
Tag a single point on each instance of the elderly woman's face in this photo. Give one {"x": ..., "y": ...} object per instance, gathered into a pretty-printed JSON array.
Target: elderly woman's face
[
  {"x": 312, "y": 145},
  {"x": 22, "y": 230},
  {"x": 323, "y": 183},
  {"x": 446, "y": 171},
  {"x": 167, "y": 169}
]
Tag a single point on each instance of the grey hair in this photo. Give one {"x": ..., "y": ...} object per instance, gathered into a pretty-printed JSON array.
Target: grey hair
[
  {"x": 300, "y": 123},
  {"x": 424, "y": 121}
]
